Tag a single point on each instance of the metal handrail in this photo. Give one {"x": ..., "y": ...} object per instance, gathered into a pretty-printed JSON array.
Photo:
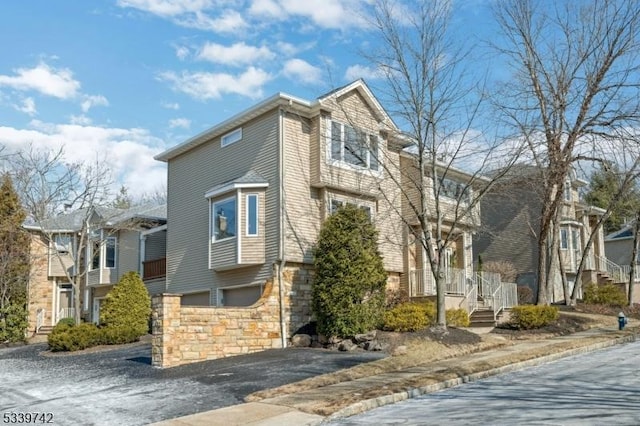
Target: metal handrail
[
  {"x": 472, "y": 299},
  {"x": 66, "y": 313},
  {"x": 608, "y": 266}
]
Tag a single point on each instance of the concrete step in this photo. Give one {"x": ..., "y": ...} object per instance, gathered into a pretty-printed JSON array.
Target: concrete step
[{"x": 44, "y": 330}]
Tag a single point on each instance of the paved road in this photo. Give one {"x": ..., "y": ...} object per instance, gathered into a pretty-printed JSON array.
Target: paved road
[
  {"x": 598, "y": 388},
  {"x": 120, "y": 387}
]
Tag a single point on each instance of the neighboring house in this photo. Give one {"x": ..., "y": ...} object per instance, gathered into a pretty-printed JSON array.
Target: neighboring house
[
  {"x": 249, "y": 196},
  {"x": 116, "y": 241},
  {"x": 618, "y": 246},
  {"x": 510, "y": 230}
]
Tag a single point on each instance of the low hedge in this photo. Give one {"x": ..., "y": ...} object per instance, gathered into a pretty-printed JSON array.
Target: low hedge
[
  {"x": 414, "y": 316},
  {"x": 67, "y": 337},
  {"x": 528, "y": 317},
  {"x": 607, "y": 294}
]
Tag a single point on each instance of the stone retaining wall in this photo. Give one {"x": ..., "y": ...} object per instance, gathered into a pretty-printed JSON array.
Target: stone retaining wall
[{"x": 186, "y": 334}]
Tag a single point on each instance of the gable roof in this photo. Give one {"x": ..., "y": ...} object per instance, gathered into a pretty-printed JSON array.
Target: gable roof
[
  {"x": 107, "y": 216},
  {"x": 301, "y": 106}
]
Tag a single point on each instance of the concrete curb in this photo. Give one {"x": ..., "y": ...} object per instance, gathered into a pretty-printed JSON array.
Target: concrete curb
[{"x": 369, "y": 404}]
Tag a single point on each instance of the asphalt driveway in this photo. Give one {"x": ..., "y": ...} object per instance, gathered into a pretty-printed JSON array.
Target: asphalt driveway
[{"x": 120, "y": 386}]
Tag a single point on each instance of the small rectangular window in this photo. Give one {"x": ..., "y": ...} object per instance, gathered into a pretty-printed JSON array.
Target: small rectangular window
[
  {"x": 110, "y": 253},
  {"x": 567, "y": 191},
  {"x": 334, "y": 205},
  {"x": 231, "y": 137},
  {"x": 252, "y": 214},
  {"x": 564, "y": 239},
  {"x": 95, "y": 254},
  {"x": 62, "y": 243},
  {"x": 223, "y": 215}
]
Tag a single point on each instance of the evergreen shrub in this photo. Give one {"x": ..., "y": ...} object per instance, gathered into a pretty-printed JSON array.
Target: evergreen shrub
[
  {"x": 348, "y": 293},
  {"x": 407, "y": 317},
  {"x": 127, "y": 306},
  {"x": 607, "y": 294},
  {"x": 458, "y": 318},
  {"x": 529, "y": 317}
]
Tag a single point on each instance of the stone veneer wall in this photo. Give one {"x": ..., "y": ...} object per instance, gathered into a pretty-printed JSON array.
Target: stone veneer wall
[
  {"x": 186, "y": 334},
  {"x": 41, "y": 291}
]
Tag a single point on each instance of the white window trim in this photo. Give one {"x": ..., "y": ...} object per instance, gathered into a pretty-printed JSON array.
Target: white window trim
[
  {"x": 212, "y": 218},
  {"x": 247, "y": 216},
  {"x": 359, "y": 204},
  {"x": 345, "y": 164},
  {"x": 231, "y": 137}
]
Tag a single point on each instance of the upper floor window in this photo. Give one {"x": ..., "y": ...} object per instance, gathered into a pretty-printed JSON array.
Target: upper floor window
[
  {"x": 353, "y": 146},
  {"x": 334, "y": 205},
  {"x": 564, "y": 238},
  {"x": 231, "y": 137},
  {"x": 62, "y": 243},
  {"x": 452, "y": 189},
  {"x": 223, "y": 214},
  {"x": 567, "y": 191},
  {"x": 103, "y": 249}
]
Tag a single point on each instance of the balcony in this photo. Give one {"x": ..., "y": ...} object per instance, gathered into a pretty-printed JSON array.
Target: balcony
[{"x": 154, "y": 269}]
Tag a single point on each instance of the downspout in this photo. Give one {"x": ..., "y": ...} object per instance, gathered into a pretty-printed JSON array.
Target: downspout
[{"x": 282, "y": 256}]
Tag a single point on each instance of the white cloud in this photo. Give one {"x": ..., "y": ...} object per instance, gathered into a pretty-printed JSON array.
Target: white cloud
[
  {"x": 93, "y": 100},
  {"x": 182, "y": 52},
  {"x": 167, "y": 8},
  {"x": 355, "y": 72},
  {"x": 58, "y": 83},
  {"x": 203, "y": 85},
  {"x": 236, "y": 54},
  {"x": 298, "y": 69},
  {"x": 28, "y": 106},
  {"x": 336, "y": 14},
  {"x": 185, "y": 123},
  {"x": 229, "y": 22},
  {"x": 268, "y": 8},
  {"x": 171, "y": 105},
  {"x": 80, "y": 119},
  {"x": 128, "y": 152}
]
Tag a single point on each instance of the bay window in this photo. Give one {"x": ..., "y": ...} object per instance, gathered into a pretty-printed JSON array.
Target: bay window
[{"x": 353, "y": 147}]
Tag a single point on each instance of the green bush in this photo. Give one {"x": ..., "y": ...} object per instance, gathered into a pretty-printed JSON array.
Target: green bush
[
  {"x": 458, "y": 318},
  {"x": 348, "y": 294},
  {"x": 65, "y": 337},
  {"x": 528, "y": 317},
  {"x": 127, "y": 305},
  {"x": 119, "y": 335},
  {"x": 13, "y": 322},
  {"x": 607, "y": 294},
  {"x": 407, "y": 317},
  {"x": 68, "y": 321}
]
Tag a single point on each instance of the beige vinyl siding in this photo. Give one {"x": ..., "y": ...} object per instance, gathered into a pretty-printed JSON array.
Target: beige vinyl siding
[
  {"x": 59, "y": 262},
  {"x": 155, "y": 246},
  {"x": 303, "y": 203},
  {"x": 252, "y": 246},
  {"x": 128, "y": 252},
  {"x": 190, "y": 176},
  {"x": 93, "y": 277}
]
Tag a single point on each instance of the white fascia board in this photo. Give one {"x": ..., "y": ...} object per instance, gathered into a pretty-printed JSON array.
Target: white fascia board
[
  {"x": 154, "y": 230},
  {"x": 279, "y": 99},
  {"x": 232, "y": 187}
]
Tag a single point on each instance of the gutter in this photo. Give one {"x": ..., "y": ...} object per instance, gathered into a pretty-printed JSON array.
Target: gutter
[{"x": 282, "y": 246}]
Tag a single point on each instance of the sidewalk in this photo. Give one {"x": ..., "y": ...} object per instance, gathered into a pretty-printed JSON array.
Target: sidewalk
[{"x": 343, "y": 399}]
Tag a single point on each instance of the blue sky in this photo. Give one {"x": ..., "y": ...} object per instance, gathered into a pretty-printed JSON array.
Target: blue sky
[{"x": 122, "y": 80}]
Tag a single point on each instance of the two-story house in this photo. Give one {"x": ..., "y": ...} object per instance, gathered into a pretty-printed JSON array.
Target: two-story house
[
  {"x": 510, "y": 231},
  {"x": 251, "y": 193},
  {"x": 94, "y": 247},
  {"x": 619, "y": 249}
]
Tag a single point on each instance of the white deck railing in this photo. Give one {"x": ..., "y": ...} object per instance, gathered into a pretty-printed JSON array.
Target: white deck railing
[
  {"x": 66, "y": 313},
  {"x": 626, "y": 272},
  {"x": 486, "y": 286}
]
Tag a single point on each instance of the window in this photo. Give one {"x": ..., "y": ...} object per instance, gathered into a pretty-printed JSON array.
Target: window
[
  {"x": 95, "y": 254},
  {"x": 252, "y": 214},
  {"x": 575, "y": 239},
  {"x": 231, "y": 137},
  {"x": 110, "y": 253},
  {"x": 334, "y": 205},
  {"x": 564, "y": 238},
  {"x": 567, "y": 191},
  {"x": 62, "y": 243},
  {"x": 452, "y": 189},
  {"x": 223, "y": 214},
  {"x": 353, "y": 146}
]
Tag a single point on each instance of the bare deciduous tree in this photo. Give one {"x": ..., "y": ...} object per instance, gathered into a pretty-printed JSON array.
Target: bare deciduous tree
[
  {"x": 429, "y": 89},
  {"x": 575, "y": 85}
]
